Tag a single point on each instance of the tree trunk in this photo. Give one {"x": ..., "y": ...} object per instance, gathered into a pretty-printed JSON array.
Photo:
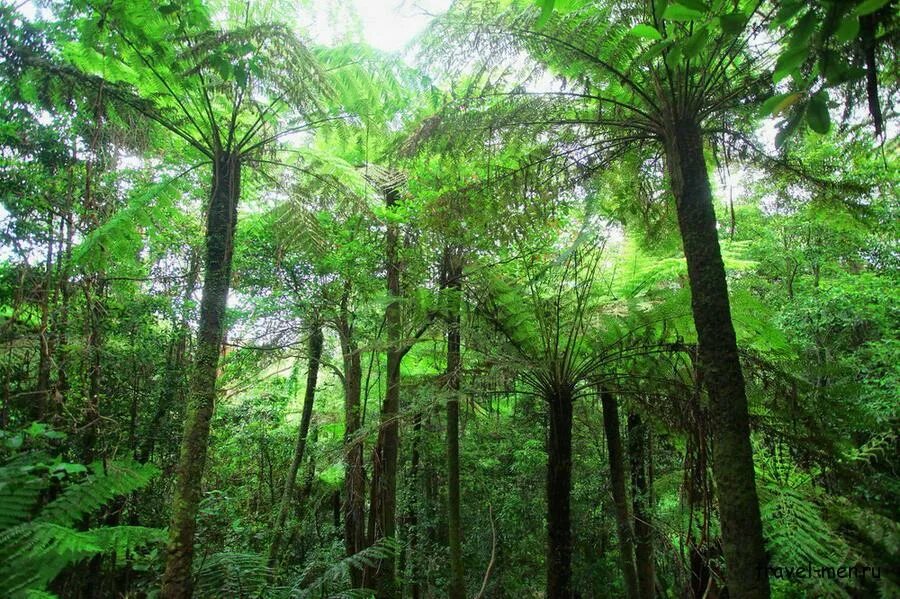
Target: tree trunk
[
  {"x": 220, "y": 227},
  {"x": 643, "y": 530},
  {"x": 93, "y": 292},
  {"x": 355, "y": 476},
  {"x": 742, "y": 536},
  {"x": 620, "y": 499},
  {"x": 559, "y": 489},
  {"x": 42, "y": 397},
  {"x": 384, "y": 471},
  {"x": 312, "y": 372},
  {"x": 453, "y": 281}
]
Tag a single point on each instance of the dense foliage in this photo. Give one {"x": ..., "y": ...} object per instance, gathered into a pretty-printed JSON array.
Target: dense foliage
[{"x": 573, "y": 298}]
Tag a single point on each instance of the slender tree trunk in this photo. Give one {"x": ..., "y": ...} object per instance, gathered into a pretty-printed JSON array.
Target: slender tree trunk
[
  {"x": 643, "y": 530},
  {"x": 355, "y": 476},
  {"x": 620, "y": 499},
  {"x": 742, "y": 536},
  {"x": 312, "y": 371},
  {"x": 453, "y": 281},
  {"x": 93, "y": 290},
  {"x": 42, "y": 397},
  {"x": 220, "y": 227},
  {"x": 559, "y": 489},
  {"x": 384, "y": 471},
  {"x": 410, "y": 562},
  {"x": 65, "y": 294}
]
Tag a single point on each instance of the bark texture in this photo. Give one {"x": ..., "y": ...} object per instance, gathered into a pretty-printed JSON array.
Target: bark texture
[
  {"x": 620, "y": 498},
  {"x": 219, "y": 242},
  {"x": 644, "y": 566},
  {"x": 355, "y": 478},
  {"x": 559, "y": 489},
  {"x": 742, "y": 536},
  {"x": 453, "y": 281},
  {"x": 383, "y": 508}
]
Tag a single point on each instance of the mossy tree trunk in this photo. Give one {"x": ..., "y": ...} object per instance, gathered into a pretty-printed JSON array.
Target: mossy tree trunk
[
  {"x": 733, "y": 472},
  {"x": 219, "y": 242},
  {"x": 383, "y": 505}
]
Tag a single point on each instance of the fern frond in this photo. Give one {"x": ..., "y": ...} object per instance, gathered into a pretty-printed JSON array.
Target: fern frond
[
  {"x": 120, "y": 478},
  {"x": 228, "y": 574}
]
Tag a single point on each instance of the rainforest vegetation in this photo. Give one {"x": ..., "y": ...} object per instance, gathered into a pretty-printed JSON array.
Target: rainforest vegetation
[{"x": 564, "y": 298}]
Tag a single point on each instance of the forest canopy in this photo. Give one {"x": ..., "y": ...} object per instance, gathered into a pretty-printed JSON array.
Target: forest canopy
[{"x": 463, "y": 298}]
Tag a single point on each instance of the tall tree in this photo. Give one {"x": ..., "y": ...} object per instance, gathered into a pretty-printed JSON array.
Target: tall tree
[
  {"x": 651, "y": 73},
  {"x": 219, "y": 92}
]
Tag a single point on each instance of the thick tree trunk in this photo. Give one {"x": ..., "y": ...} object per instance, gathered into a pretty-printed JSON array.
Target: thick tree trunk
[
  {"x": 316, "y": 341},
  {"x": 453, "y": 281},
  {"x": 220, "y": 227},
  {"x": 355, "y": 476},
  {"x": 559, "y": 489},
  {"x": 620, "y": 499},
  {"x": 742, "y": 536},
  {"x": 384, "y": 471},
  {"x": 640, "y": 496}
]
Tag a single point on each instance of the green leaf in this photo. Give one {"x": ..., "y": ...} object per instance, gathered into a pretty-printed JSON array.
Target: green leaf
[
  {"x": 787, "y": 11},
  {"x": 646, "y": 31},
  {"x": 788, "y": 61},
  {"x": 868, "y": 7},
  {"x": 733, "y": 23},
  {"x": 787, "y": 129},
  {"x": 847, "y": 30},
  {"x": 69, "y": 468},
  {"x": 779, "y": 103},
  {"x": 673, "y": 58},
  {"x": 656, "y": 49},
  {"x": 677, "y": 12},
  {"x": 695, "y": 44},
  {"x": 803, "y": 29},
  {"x": 817, "y": 113},
  {"x": 546, "y": 11},
  {"x": 693, "y": 5}
]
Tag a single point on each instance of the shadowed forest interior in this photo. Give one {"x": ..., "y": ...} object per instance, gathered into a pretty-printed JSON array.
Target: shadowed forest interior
[{"x": 449, "y": 298}]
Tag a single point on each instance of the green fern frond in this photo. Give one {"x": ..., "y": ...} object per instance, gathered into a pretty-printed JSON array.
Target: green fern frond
[
  {"x": 384, "y": 549},
  {"x": 228, "y": 574},
  {"x": 120, "y": 478}
]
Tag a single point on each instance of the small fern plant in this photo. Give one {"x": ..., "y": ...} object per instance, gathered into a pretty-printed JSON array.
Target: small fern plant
[{"x": 40, "y": 536}]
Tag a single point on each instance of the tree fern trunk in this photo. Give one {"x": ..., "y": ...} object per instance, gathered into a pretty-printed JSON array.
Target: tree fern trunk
[
  {"x": 220, "y": 227},
  {"x": 559, "y": 489},
  {"x": 620, "y": 499},
  {"x": 316, "y": 342},
  {"x": 732, "y": 454}
]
